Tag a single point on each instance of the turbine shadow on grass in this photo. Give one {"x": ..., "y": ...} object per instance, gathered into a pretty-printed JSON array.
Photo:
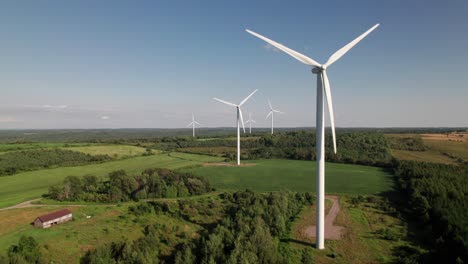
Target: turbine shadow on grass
[{"x": 291, "y": 240}]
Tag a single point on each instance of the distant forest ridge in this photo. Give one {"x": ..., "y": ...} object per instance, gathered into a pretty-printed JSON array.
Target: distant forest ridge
[{"x": 83, "y": 135}]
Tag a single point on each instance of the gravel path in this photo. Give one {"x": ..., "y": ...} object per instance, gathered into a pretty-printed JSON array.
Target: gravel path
[{"x": 331, "y": 231}]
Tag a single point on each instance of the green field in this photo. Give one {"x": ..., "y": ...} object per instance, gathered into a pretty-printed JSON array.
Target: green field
[
  {"x": 274, "y": 175},
  {"x": 115, "y": 151},
  {"x": 29, "y": 185}
]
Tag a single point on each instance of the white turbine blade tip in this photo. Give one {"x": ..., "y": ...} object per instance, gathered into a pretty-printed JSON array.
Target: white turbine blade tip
[{"x": 338, "y": 54}]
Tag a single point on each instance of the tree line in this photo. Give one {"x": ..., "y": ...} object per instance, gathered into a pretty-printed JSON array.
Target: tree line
[
  {"x": 18, "y": 161},
  {"x": 119, "y": 186},
  {"x": 249, "y": 232},
  {"x": 354, "y": 148}
]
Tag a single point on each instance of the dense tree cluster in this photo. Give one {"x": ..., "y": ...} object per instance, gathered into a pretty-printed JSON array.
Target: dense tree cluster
[
  {"x": 248, "y": 233},
  {"x": 17, "y": 161},
  {"x": 407, "y": 143},
  {"x": 437, "y": 196},
  {"x": 27, "y": 251},
  {"x": 120, "y": 186}
]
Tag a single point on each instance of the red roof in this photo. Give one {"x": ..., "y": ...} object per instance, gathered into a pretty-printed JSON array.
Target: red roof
[{"x": 54, "y": 215}]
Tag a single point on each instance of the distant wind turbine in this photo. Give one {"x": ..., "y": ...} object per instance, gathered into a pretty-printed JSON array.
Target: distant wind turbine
[
  {"x": 193, "y": 123},
  {"x": 272, "y": 113},
  {"x": 323, "y": 86},
  {"x": 240, "y": 120},
  {"x": 250, "y": 121}
]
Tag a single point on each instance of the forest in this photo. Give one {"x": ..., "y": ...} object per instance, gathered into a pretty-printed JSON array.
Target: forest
[
  {"x": 248, "y": 232},
  {"x": 118, "y": 186},
  {"x": 437, "y": 199},
  {"x": 17, "y": 161}
]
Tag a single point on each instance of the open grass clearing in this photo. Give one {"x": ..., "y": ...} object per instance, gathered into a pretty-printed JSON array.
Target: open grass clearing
[
  {"x": 67, "y": 242},
  {"x": 372, "y": 236}
]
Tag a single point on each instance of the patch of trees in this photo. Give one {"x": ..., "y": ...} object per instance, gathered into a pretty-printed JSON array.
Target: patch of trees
[
  {"x": 249, "y": 232},
  {"x": 407, "y": 143},
  {"x": 17, "y": 161},
  {"x": 27, "y": 251},
  {"x": 119, "y": 186},
  {"x": 437, "y": 197}
]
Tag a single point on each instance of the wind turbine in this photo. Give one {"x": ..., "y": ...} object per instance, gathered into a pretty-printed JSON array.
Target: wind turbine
[
  {"x": 323, "y": 87},
  {"x": 193, "y": 123},
  {"x": 272, "y": 113},
  {"x": 250, "y": 121},
  {"x": 241, "y": 121}
]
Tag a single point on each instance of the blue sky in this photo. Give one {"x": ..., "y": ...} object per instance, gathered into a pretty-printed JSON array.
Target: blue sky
[{"x": 113, "y": 64}]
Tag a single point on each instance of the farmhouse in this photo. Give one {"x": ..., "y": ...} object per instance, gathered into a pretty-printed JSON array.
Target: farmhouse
[{"x": 48, "y": 220}]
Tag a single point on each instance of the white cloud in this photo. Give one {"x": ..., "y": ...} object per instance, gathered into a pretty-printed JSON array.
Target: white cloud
[
  {"x": 105, "y": 117},
  {"x": 7, "y": 119},
  {"x": 54, "y": 106},
  {"x": 269, "y": 47}
]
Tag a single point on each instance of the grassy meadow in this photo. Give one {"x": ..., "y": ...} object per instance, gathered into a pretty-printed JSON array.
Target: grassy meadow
[
  {"x": 274, "y": 175},
  {"x": 66, "y": 243}
]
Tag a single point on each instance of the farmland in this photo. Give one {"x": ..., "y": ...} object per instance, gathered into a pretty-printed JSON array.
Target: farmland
[
  {"x": 450, "y": 148},
  {"x": 114, "y": 151},
  {"x": 274, "y": 175}
]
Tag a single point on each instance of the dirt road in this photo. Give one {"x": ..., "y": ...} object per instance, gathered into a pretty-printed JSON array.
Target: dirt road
[{"x": 331, "y": 231}]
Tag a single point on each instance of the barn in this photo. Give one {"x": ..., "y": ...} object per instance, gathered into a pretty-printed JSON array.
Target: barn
[{"x": 54, "y": 218}]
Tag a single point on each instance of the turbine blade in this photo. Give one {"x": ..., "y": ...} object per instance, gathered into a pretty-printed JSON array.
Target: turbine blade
[
  {"x": 224, "y": 102},
  {"x": 278, "y": 111},
  {"x": 241, "y": 118},
  {"x": 330, "y": 106},
  {"x": 193, "y": 117},
  {"x": 197, "y": 123},
  {"x": 348, "y": 46},
  {"x": 189, "y": 124},
  {"x": 247, "y": 98},
  {"x": 269, "y": 104},
  {"x": 269, "y": 114},
  {"x": 298, "y": 56}
]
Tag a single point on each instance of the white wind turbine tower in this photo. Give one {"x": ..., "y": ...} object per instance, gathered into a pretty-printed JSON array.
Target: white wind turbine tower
[
  {"x": 250, "y": 121},
  {"x": 323, "y": 87},
  {"x": 240, "y": 120},
  {"x": 272, "y": 114},
  {"x": 193, "y": 123}
]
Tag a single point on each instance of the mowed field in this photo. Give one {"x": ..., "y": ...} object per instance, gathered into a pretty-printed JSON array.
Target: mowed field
[
  {"x": 25, "y": 186},
  {"x": 114, "y": 151},
  {"x": 442, "y": 148},
  {"x": 275, "y": 174}
]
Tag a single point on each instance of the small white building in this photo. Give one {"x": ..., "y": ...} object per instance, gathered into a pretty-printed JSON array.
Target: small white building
[{"x": 54, "y": 218}]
